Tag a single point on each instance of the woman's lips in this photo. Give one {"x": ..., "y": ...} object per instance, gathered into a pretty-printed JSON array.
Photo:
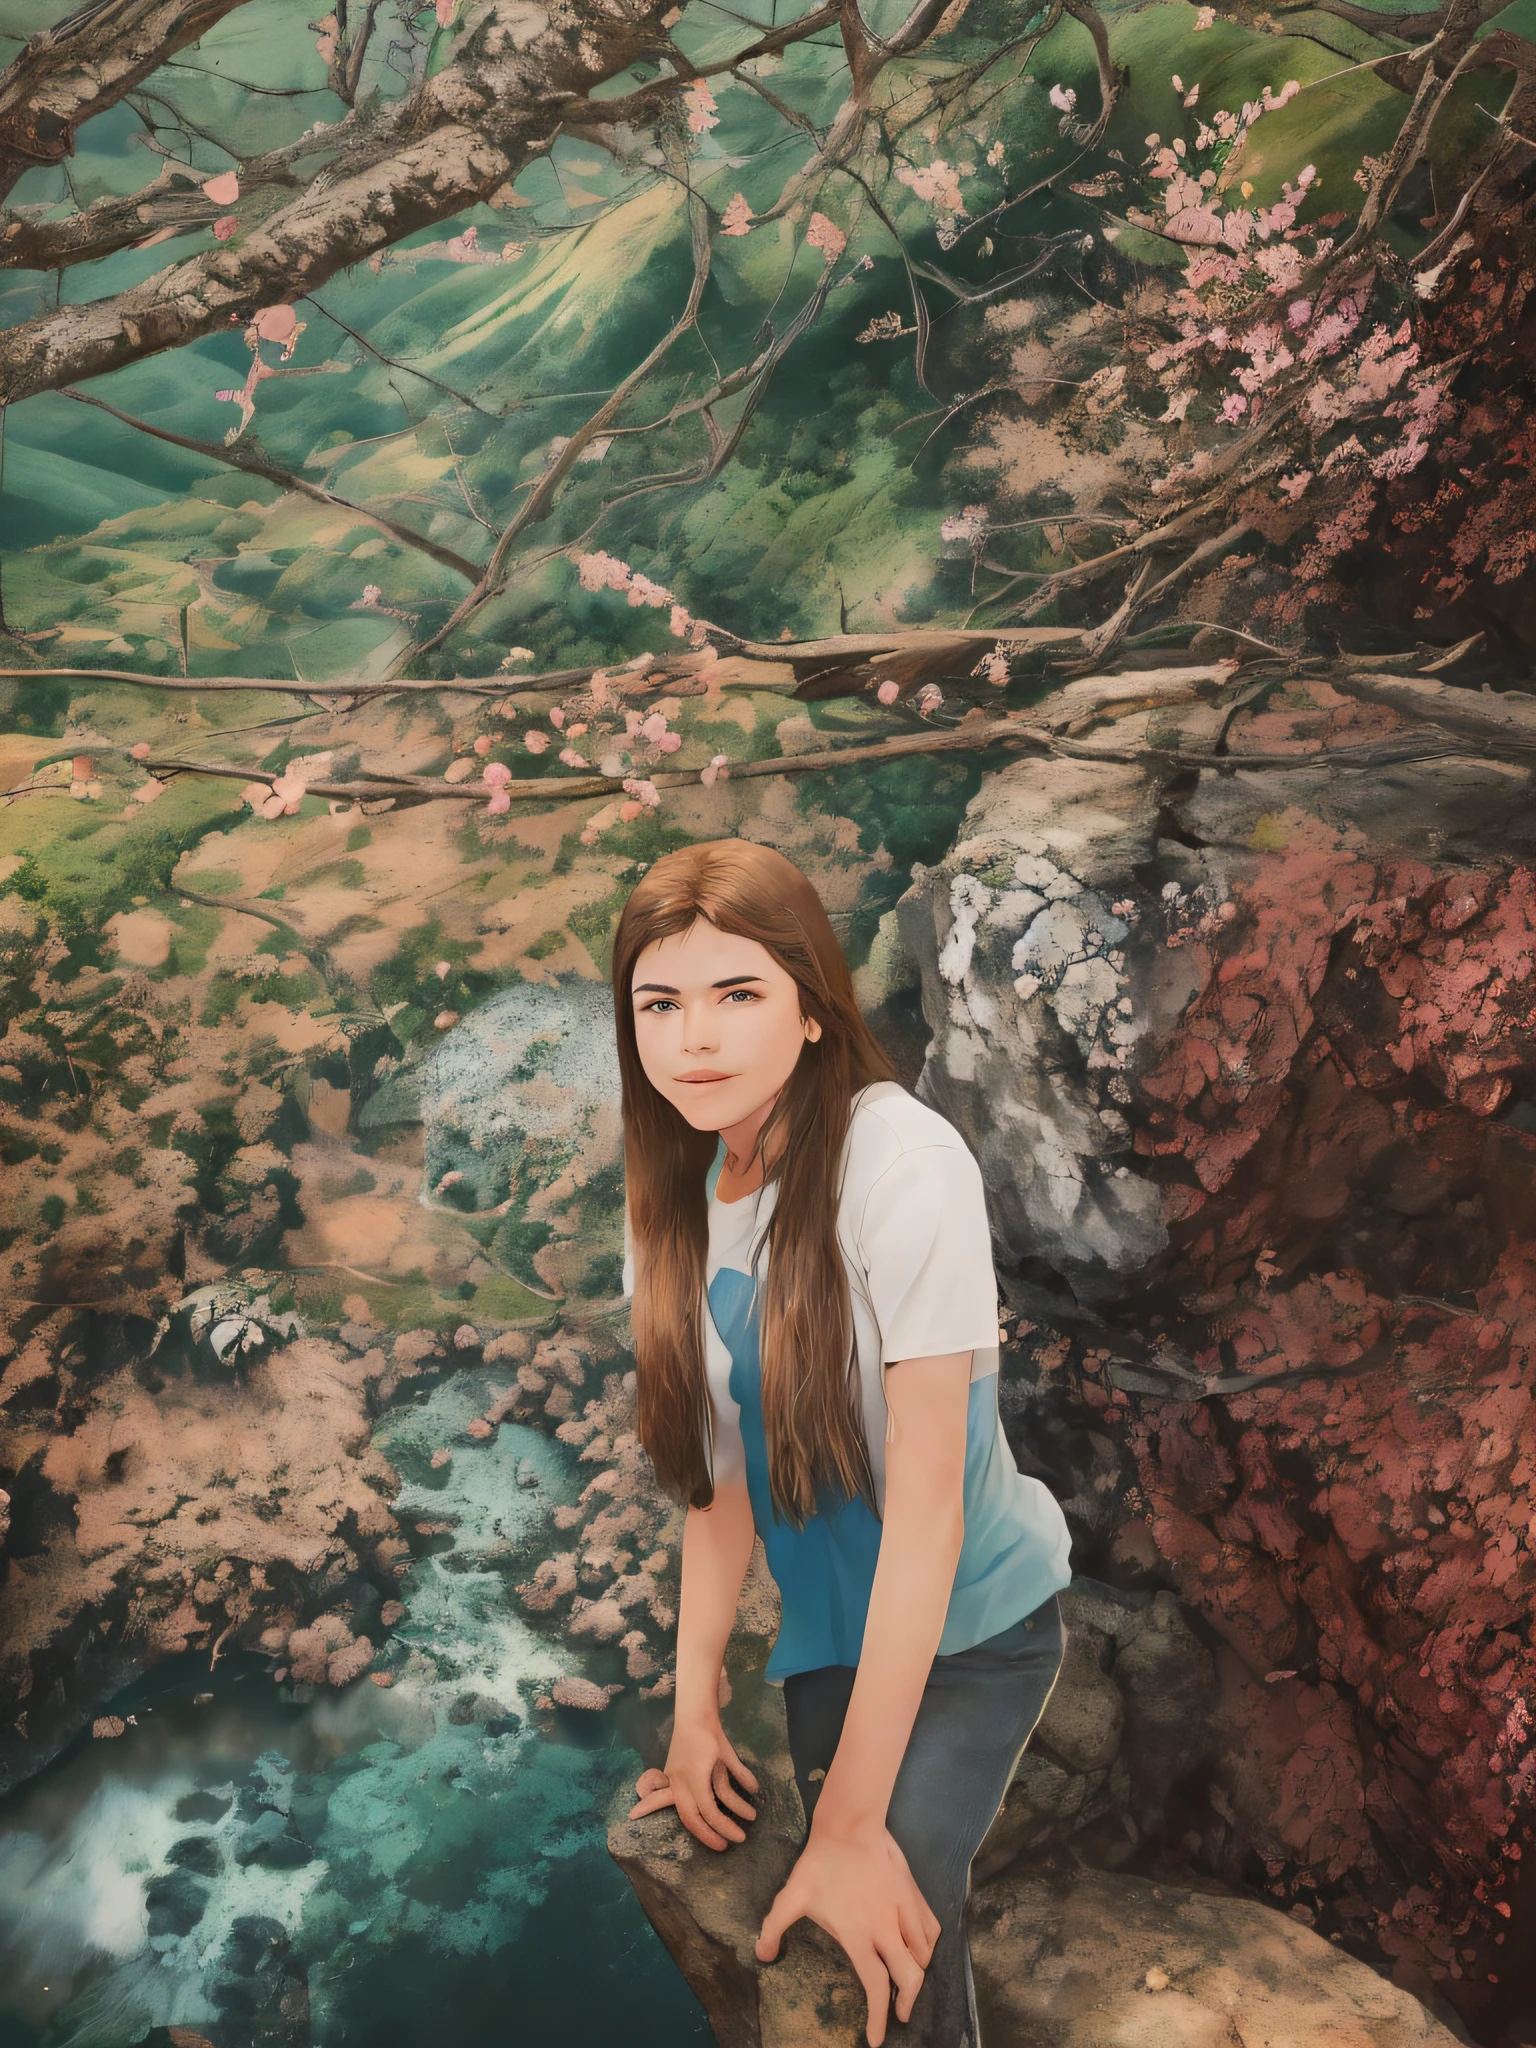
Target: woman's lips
[{"x": 691, "y": 1080}]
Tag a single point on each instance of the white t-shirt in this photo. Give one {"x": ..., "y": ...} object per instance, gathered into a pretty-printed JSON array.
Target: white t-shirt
[{"x": 916, "y": 1245}]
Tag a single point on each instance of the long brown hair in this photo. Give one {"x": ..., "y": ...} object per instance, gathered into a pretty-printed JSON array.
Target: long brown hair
[{"x": 811, "y": 1413}]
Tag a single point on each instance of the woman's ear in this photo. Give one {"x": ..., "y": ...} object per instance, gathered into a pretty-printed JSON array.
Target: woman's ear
[{"x": 812, "y": 1029}]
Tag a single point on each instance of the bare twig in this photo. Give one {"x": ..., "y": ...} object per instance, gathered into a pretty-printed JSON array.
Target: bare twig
[{"x": 244, "y": 458}]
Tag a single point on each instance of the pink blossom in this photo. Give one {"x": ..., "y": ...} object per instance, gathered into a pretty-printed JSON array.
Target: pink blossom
[
  {"x": 1281, "y": 266},
  {"x": 1204, "y": 18},
  {"x": 276, "y": 323},
  {"x": 1406, "y": 455},
  {"x": 928, "y": 700},
  {"x": 701, "y": 104},
  {"x": 653, "y": 727},
  {"x": 557, "y": 717},
  {"x": 602, "y": 572},
  {"x": 1233, "y": 406},
  {"x": 679, "y": 623},
  {"x": 643, "y": 591},
  {"x": 1063, "y": 98},
  {"x": 445, "y": 10},
  {"x": 1345, "y": 456},
  {"x": 499, "y": 803},
  {"x": 669, "y": 742},
  {"x": 536, "y": 742},
  {"x": 1331, "y": 331},
  {"x": 497, "y": 773},
  {"x": 646, "y": 792},
  {"x": 1267, "y": 354},
  {"x": 888, "y": 692},
  {"x": 936, "y": 184},
  {"x": 1298, "y": 313},
  {"x": 572, "y": 759},
  {"x": 225, "y": 226},
  {"x": 716, "y": 771},
  {"x": 223, "y": 190},
  {"x": 483, "y": 743},
  {"x": 1201, "y": 224},
  {"x": 141, "y": 750},
  {"x": 737, "y": 218}
]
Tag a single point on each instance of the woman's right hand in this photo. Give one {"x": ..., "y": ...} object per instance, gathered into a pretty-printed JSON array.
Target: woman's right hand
[{"x": 697, "y": 1780}]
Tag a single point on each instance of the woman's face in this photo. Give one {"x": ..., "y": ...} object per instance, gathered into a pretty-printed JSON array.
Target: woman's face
[{"x": 718, "y": 1024}]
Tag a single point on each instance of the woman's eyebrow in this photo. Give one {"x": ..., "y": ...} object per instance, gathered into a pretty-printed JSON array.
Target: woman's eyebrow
[{"x": 660, "y": 988}]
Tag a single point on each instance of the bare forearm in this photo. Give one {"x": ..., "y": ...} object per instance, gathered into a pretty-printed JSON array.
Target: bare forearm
[
  {"x": 717, "y": 1548},
  {"x": 919, "y": 1548}
]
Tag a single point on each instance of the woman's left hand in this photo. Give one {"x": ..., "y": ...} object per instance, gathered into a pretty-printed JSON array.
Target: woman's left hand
[{"x": 858, "y": 1887}]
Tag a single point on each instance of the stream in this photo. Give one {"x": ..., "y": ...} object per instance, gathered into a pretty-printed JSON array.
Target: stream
[{"x": 263, "y": 1863}]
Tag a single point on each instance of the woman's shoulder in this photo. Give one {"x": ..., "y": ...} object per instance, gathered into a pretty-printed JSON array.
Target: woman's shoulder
[{"x": 889, "y": 1122}]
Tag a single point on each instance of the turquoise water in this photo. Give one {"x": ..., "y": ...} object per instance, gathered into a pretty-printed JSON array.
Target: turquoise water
[{"x": 360, "y": 1867}]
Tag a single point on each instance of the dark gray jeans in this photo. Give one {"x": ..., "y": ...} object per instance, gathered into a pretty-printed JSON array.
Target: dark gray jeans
[{"x": 978, "y": 1710}]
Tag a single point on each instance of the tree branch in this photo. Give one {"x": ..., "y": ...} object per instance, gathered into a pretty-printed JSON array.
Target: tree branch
[
  {"x": 972, "y": 735},
  {"x": 448, "y": 145},
  {"x": 82, "y": 66},
  {"x": 1505, "y": 719},
  {"x": 841, "y": 667}
]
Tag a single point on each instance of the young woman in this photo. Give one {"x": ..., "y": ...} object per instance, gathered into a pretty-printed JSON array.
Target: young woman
[{"x": 815, "y": 1329}]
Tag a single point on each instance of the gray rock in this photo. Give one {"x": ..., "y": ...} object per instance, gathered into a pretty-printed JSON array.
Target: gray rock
[
  {"x": 175, "y": 1902},
  {"x": 708, "y": 1905},
  {"x": 1167, "y": 1678},
  {"x": 1087, "y": 1959},
  {"x": 199, "y": 1853},
  {"x": 1030, "y": 974},
  {"x": 272, "y": 1841},
  {"x": 1065, "y": 1957}
]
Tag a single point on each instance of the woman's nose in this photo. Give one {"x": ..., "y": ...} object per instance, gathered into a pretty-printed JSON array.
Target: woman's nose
[{"x": 699, "y": 1033}]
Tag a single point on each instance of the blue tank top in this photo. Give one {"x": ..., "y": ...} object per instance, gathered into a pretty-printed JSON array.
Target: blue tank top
[{"x": 918, "y": 1254}]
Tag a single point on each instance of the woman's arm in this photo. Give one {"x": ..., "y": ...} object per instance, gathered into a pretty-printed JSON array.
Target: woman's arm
[
  {"x": 717, "y": 1548},
  {"x": 920, "y": 1538},
  {"x": 852, "y": 1878}
]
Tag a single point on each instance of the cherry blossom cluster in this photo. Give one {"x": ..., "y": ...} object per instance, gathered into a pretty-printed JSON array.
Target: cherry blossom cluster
[
  {"x": 1258, "y": 301},
  {"x": 606, "y": 572}
]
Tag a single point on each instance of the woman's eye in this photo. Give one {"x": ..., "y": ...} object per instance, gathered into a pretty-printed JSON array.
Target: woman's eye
[
  {"x": 655, "y": 1009},
  {"x": 745, "y": 994}
]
